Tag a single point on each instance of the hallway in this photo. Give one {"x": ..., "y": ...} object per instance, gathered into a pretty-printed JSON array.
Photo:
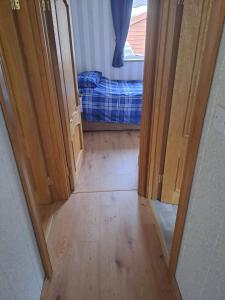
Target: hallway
[{"x": 103, "y": 243}]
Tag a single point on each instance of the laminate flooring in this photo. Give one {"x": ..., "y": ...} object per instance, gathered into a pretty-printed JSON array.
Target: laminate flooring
[
  {"x": 110, "y": 161},
  {"x": 104, "y": 244}
]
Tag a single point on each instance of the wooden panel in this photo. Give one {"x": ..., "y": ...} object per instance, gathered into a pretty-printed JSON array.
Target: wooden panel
[
  {"x": 66, "y": 53},
  {"x": 9, "y": 93},
  {"x": 213, "y": 28},
  {"x": 148, "y": 92},
  {"x": 61, "y": 38},
  {"x": 34, "y": 47},
  {"x": 16, "y": 74},
  {"x": 162, "y": 37},
  {"x": 47, "y": 213},
  {"x": 184, "y": 96},
  {"x": 76, "y": 141}
]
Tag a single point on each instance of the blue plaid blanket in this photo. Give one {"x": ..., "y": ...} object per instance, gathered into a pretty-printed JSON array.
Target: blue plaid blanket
[{"x": 115, "y": 101}]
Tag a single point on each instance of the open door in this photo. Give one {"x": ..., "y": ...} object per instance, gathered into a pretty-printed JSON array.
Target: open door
[
  {"x": 16, "y": 101},
  {"x": 169, "y": 102},
  {"x": 59, "y": 30},
  {"x": 184, "y": 98},
  {"x": 12, "y": 60}
]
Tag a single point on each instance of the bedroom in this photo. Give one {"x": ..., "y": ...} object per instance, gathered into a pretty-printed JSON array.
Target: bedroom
[
  {"x": 94, "y": 40},
  {"x": 110, "y": 83},
  {"x": 110, "y": 86}
]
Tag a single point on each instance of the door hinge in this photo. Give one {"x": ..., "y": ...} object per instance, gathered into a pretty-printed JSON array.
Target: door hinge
[
  {"x": 45, "y": 5},
  {"x": 15, "y": 4},
  {"x": 160, "y": 178},
  {"x": 49, "y": 181},
  {"x": 180, "y": 2}
]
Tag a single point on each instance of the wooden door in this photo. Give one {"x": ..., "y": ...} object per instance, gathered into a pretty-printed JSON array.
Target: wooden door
[
  {"x": 162, "y": 40},
  {"x": 16, "y": 76},
  {"x": 59, "y": 24},
  {"x": 184, "y": 97},
  {"x": 15, "y": 132},
  {"x": 41, "y": 79}
]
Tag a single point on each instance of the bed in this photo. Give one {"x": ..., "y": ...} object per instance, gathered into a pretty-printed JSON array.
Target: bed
[{"x": 110, "y": 101}]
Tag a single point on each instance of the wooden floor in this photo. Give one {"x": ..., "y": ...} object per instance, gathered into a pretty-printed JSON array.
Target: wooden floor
[
  {"x": 110, "y": 161},
  {"x": 104, "y": 245}
]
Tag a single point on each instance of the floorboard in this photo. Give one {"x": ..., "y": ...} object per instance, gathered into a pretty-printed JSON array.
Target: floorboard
[
  {"x": 110, "y": 161},
  {"x": 103, "y": 242},
  {"x": 105, "y": 246}
]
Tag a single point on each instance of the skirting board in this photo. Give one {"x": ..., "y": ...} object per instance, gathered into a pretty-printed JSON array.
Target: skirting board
[
  {"x": 97, "y": 126},
  {"x": 160, "y": 233}
]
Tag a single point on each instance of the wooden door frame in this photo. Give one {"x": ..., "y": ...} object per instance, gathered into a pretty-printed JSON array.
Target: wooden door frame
[
  {"x": 15, "y": 132},
  {"x": 39, "y": 67},
  {"x": 54, "y": 48},
  {"x": 49, "y": 29},
  {"x": 214, "y": 27},
  {"x": 162, "y": 40},
  {"x": 12, "y": 120},
  {"x": 155, "y": 121},
  {"x": 52, "y": 131}
]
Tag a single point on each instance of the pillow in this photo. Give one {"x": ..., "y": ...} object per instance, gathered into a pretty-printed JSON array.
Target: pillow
[{"x": 89, "y": 79}]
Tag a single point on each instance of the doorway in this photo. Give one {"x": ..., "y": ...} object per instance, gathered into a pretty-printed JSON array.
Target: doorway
[
  {"x": 175, "y": 125},
  {"x": 56, "y": 71},
  {"x": 167, "y": 189},
  {"x": 111, "y": 97}
]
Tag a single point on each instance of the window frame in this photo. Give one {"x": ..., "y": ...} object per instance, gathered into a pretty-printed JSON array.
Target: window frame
[{"x": 135, "y": 58}]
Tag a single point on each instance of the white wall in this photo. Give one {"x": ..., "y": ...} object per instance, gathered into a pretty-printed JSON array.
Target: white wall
[
  {"x": 201, "y": 266},
  {"x": 21, "y": 273},
  {"x": 95, "y": 40}
]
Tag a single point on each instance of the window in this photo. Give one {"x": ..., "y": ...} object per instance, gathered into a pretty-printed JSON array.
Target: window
[{"x": 135, "y": 43}]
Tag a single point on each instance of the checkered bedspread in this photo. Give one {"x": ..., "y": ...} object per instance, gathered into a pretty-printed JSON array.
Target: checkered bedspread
[{"x": 115, "y": 101}]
